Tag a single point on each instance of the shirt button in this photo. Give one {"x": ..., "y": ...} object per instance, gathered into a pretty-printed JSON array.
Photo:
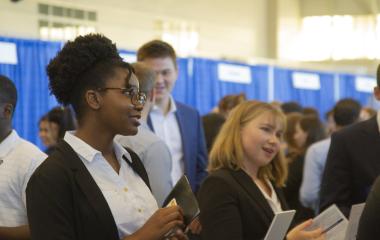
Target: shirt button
[
  {"x": 125, "y": 189},
  {"x": 139, "y": 210}
]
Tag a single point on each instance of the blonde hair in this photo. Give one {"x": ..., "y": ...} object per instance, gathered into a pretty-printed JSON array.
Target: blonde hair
[{"x": 227, "y": 150}]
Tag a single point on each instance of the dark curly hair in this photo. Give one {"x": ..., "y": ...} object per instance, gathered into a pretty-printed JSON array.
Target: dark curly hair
[{"x": 83, "y": 64}]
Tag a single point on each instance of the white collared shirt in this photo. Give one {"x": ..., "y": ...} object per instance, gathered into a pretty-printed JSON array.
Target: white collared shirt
[
  {"x": 128, "y": 197},
  {"x": 18, "y": 160},
  {"x": 167, "y": 128},
  {"x": 378, "y": 119},
  {"x": 273, "y": 200}
]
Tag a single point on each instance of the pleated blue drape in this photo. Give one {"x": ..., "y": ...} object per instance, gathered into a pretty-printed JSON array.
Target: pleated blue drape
[
  {"x": 199, "y": 86},
  {"x": 31, "y": 82},
  {"x": 347, "y": 89},
  {"x": 322, "y": 99}
]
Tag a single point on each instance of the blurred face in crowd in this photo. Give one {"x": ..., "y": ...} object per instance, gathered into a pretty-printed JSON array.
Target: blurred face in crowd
[
  {"x": 45, "y": 133},
  {"x": 300, "y": 136},
  {"x": 261, "y": 139},
  {"x": 167, "y": 74}
]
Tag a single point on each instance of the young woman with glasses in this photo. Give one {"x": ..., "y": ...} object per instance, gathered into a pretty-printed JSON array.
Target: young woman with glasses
[{"x": 91, "y": 187}]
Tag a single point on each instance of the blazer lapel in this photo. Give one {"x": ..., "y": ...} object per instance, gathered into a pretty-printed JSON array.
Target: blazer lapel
[
  {"x": 150, "y": 124},
  {"x": 371, "y": 136},
  {"x": 281, "y": 197},
  {"x": 255, "y": 194},
  {"x": 90, "y": 189},
  {"x": 182, "y": 129}
]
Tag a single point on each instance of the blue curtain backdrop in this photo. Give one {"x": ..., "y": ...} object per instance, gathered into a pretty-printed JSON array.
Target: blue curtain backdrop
[
  {"x": 199, "y": 85},
  {"x": 322, "y": 99},
  {"x": 31, "y": 82},
  {"x": 347, "y": 89}
]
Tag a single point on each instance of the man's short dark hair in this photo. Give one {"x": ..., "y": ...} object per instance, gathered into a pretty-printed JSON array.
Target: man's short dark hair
[
  {"x": 8, "y": 91},
  {"x": 156, "y": 49},
  {"x": 346, "y": 111}
]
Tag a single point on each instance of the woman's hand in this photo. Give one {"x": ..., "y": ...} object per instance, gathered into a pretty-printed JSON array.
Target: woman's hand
[
  {"x": 299, "y": 232},
  {"x": 159, "y": 224}
]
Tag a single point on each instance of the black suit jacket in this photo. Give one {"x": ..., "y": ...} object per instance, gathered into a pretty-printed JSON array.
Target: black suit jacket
[
  {"x": 352, "y": 165},
  {"x": 233, "y": 207},
  {"x": 65, "y": 203},
  {"x": 369, "y": 221}
]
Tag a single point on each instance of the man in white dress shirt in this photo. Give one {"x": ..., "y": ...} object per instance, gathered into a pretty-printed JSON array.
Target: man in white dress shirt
[
  {"x": 179, "y": 125},
  {"x": 18, "y": 160},
  {"x": 152, "y": 151}
]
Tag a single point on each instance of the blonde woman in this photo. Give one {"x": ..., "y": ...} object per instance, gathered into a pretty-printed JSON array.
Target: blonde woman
[{"x": 240, "y": 196}]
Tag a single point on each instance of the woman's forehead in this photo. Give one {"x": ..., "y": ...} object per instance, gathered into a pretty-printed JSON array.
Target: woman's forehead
[{"x": 272, "y": 119}]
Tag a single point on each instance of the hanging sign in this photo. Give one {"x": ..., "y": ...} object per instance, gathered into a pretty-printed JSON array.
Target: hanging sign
[
  {"x": 309, "y": 81},
  {"x": 8, "y": 53},
  {"x": 365, "y": 84},
  {"x": 234, "y": 73}
]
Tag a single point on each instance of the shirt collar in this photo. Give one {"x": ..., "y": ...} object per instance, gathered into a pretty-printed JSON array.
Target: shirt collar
[
  {"x": 173, "y": 106},
  {"x": 378, "y": 119},
  {"x": 89, "y": 153},
  {"x": 9, "y": 143}
]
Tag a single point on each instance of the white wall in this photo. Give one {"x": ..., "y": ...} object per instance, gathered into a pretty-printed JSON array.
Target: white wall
[{"x": 231, "y": 29}]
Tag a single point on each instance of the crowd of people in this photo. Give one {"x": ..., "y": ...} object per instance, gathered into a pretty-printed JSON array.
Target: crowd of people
[{"x": 119, "y": 142}]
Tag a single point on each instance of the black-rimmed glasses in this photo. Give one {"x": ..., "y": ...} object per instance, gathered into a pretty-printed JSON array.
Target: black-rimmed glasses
[{"x": 137, "y": 97}]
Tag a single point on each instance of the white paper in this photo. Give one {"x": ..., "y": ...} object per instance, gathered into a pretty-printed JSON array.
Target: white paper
[
  {"x": 333, "y": 223},
  {"x": 353, "y": 224},
  {"x": 280, "y": 225}
]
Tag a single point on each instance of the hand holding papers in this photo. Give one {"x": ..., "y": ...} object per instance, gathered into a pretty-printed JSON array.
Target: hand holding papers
[
  {"x": 333, "y": 223},
  {"x": 183, "y": 196}
]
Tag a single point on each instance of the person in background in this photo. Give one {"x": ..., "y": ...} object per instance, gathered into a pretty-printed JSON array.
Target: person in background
[
  {"x": 330, "y": 122},
  {"x": 290, "y": 146},
  {"x": 242, "y": 193},
  {"x": 152, "y": 151},
  {"x": 18, "y": 159},
  {"x": 60, "y": 120},
  {"x": 212, "y": 122},
  {"x": 366, "y": 113},
  {"x": 345, "y": 113},
  {"x": 179, "y": 125},
  {"x": 310, "y": 111},
  {"x": 44, "y": 132},
  {"x": 309, "y": 129},
  {"x": 91, "y": 188},
  {"x": 352, "y": 163},
  {"x": 291, "y": 107}
]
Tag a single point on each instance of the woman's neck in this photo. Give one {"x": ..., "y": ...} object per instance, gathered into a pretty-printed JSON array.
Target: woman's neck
[
  {"x": 251, "y": 169},
  {"x": 98, "y": 139}
]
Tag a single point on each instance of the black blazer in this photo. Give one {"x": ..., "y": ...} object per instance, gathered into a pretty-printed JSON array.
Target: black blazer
[
  {"x": 233, "y": 207},
  {"x": 369, "y": 221},
  {"x": 65, "y": 203},
  {"x": 352, "y": 165}
]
